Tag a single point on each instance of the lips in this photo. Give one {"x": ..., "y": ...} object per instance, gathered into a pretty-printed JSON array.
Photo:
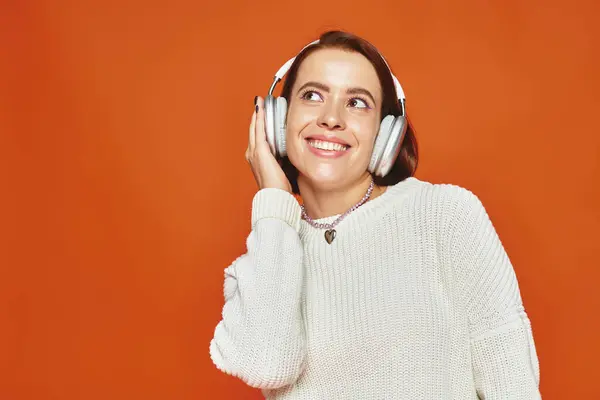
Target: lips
[
  {"x": 330, "y": 139},
  {"x": 327, "y": 146}
]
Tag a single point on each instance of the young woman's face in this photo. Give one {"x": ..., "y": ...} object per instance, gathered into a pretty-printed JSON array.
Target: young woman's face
[{"x": 333, "y": 117}]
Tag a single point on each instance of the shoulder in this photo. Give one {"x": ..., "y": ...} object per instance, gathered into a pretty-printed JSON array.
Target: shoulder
[
  {"x": 448, "y": 208},
  {"x": 444, "y": 198}
]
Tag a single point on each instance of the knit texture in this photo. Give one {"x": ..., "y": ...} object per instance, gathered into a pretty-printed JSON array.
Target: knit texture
[{"x": 415, "y": 298}]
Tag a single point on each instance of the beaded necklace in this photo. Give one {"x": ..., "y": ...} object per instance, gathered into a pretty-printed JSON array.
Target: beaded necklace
[{"x": 330, "y": 231}]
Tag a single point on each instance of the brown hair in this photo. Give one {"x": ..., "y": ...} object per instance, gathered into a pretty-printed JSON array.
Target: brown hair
[{"x": 406, "y": 163}]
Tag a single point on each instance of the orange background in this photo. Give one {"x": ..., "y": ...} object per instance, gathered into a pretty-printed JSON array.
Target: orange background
[{"x": 124, "y": 190}]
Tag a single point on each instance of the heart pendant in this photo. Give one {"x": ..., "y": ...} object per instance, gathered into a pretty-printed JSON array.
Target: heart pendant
[{"x": 330, "y": 235}]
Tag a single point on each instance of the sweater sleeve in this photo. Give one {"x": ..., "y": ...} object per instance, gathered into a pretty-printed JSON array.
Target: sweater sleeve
[
  {"x": 504, "y": 358},
  {"x": 260, "y": 338}
]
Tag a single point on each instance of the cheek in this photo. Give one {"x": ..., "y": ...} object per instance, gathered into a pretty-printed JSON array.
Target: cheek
[
  {"x": 365, "y": 131},
  {"x": 298, "y": 124},
  {"x": 298, "y": 118}
]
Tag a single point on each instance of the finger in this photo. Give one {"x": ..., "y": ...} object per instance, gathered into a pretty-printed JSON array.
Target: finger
[
  {"x": 251, "y": 131},
  {"x": 261, "y": 135}
]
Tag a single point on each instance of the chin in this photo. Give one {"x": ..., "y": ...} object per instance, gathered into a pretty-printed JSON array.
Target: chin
[
  {"x": 325, "y": 177},
  {"x": 326, "y": 181},
  {"x": 324, "y": 172}
]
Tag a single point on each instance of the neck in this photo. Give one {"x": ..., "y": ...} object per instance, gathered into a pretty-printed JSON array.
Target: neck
[{"x": 324, "y": 202}]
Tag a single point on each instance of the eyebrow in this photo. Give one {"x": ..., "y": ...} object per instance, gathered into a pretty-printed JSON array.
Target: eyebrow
[{"x": 325, "y": 88}]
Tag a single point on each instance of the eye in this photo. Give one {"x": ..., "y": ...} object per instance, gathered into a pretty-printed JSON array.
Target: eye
[
  {"x": 311, "y": 95},
  {"x": 358, "y": 102}
]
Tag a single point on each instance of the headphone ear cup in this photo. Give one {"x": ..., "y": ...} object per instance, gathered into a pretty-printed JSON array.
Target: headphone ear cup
[
  {"x": 380, "y": 143},
  {"x": 391, "y": 148},
  {"x": 270, "y": 117},
  {"x": 280, "y": 126}
]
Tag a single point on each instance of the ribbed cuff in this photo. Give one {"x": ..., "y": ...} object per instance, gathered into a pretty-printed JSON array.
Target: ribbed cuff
[{"x": 276, "y": 203}]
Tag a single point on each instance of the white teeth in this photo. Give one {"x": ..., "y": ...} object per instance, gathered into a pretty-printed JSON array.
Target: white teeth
[{"x": 319, "y": 144}]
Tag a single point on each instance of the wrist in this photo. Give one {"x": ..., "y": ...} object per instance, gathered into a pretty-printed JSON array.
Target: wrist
[{"x": 276, "y": 203}]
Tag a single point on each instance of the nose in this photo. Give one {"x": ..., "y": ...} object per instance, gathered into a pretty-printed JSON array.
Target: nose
[{"x": 330, "y": 118}]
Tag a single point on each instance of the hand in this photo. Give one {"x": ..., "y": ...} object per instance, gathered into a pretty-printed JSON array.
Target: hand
[{"x": 265, "y": 167}]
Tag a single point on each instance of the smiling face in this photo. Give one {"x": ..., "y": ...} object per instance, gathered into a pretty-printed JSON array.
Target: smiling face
[{"x": 333, "y": 117}]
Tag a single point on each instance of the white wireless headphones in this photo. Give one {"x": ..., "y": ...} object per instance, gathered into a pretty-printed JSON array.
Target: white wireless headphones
[{"x": 387, "y": 144}]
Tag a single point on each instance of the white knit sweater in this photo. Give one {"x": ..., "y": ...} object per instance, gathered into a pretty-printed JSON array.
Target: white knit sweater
[{"x": 415, "y": 298}]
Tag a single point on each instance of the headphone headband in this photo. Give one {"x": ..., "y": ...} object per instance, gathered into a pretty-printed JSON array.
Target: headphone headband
[{"x": 285, "y": 68}]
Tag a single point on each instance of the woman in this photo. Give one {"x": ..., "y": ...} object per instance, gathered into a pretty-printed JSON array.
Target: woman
[{"x": 380, "y": 286}]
